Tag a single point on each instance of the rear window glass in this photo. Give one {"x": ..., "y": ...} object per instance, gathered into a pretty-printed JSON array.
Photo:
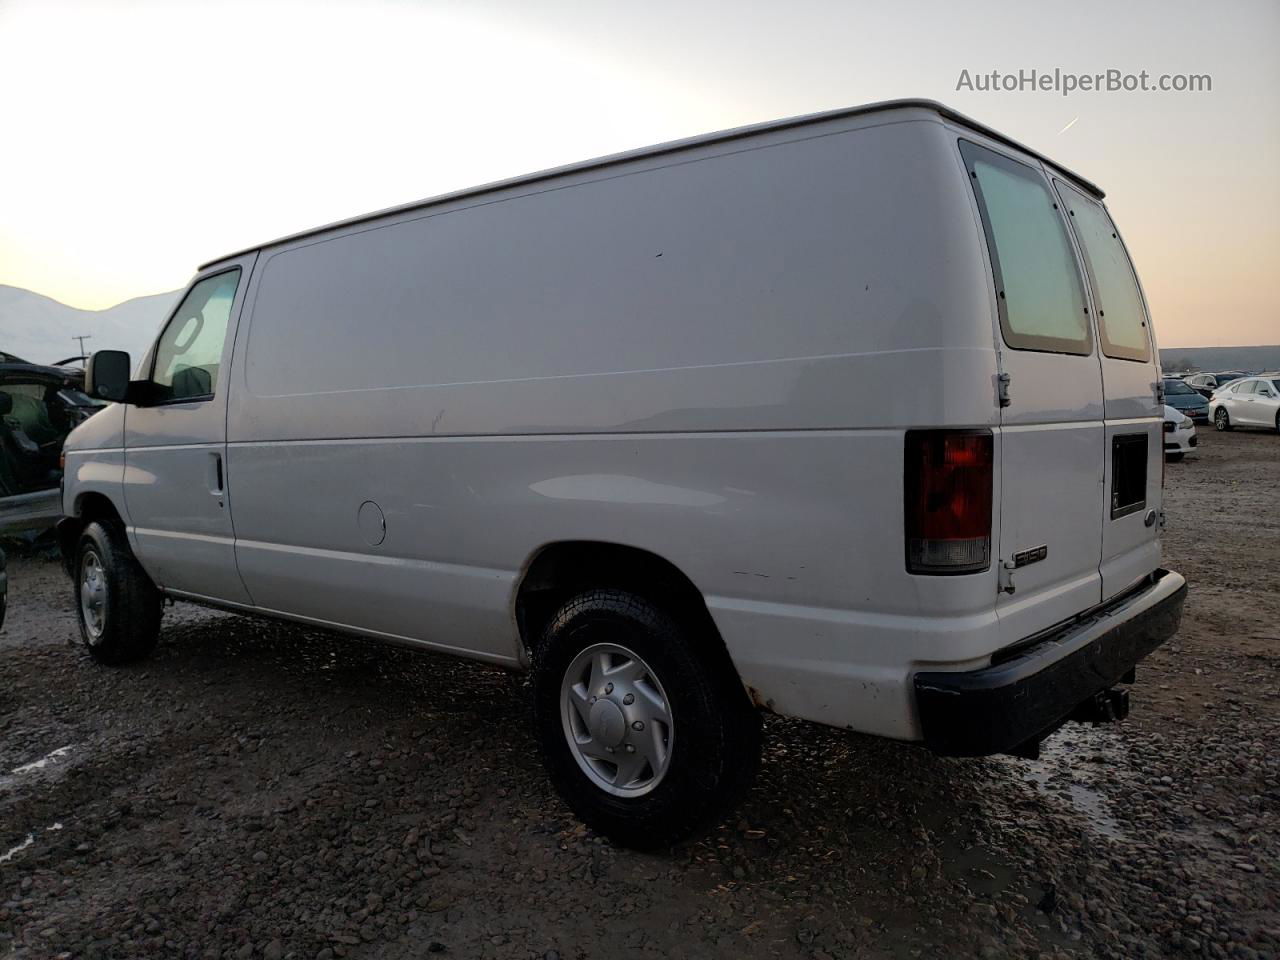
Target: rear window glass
[
  {"x": 1122, "y": 319},
  {"x": 1038, "y": 286},
  {"x": 1176, "y": 387}
]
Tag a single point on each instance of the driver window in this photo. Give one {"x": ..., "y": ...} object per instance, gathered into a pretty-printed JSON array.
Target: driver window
[{"x": 190, "y": 349}]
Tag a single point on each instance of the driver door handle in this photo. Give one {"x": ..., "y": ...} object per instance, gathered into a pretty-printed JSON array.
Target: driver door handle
[{"x": 215, "y": 476}]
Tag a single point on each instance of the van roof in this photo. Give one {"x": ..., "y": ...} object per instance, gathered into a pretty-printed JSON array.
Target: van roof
[{"x": 658, "y": 149}]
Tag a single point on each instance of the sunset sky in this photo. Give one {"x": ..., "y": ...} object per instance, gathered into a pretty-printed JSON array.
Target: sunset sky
[{"x": 138, "y": 139}]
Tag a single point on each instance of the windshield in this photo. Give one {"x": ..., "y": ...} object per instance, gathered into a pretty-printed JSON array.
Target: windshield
[{"x": 1176, "y": 387}]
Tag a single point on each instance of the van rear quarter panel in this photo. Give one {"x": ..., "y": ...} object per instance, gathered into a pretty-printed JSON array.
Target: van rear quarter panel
[{"x": 710, "y": 355}]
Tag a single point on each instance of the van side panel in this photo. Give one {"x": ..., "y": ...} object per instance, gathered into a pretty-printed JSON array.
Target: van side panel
[
  {"x": 712, "y": 356},
  {"x": 723, "y": 291}
]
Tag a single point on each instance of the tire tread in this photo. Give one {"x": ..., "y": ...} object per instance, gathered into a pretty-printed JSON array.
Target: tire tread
[
  {"x": 718, "y": 718},
  {"x": 134, "y": 602}
]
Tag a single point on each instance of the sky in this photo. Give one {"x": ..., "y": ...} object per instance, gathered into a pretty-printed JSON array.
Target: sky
[{"x": 140, "y": 139}]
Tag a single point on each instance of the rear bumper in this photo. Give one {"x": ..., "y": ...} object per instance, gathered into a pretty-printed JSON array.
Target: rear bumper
[{"x": 1023, "y": 699}]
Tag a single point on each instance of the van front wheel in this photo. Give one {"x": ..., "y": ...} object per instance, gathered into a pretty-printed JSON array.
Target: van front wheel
[
  {"x": 117, "y": 604},
  {"x": 646, "y": 733}
]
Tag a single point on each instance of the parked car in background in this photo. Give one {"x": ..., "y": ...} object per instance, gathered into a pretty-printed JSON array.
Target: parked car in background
[
  {"x": 1179, "y": 434},
  {"x": 1206, "y": 383},
  {"x": 1251, "y": 402},
  {"x": 1186, "y": 400},
  {"x": 39, "y": 406}
]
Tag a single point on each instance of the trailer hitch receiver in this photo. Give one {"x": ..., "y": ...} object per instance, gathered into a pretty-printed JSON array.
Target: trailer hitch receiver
[{"x": 1106, "y": 706}]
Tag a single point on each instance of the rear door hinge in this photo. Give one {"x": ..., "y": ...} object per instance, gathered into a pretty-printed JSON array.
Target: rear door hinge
[
  {"x": 1002, "y": 388},
  {"x": 1005, "y": 580},
  {"x": 1159, "y": 385}
]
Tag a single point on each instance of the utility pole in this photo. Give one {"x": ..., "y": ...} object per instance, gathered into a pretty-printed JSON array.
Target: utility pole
[{"x": 87, "y": 336}]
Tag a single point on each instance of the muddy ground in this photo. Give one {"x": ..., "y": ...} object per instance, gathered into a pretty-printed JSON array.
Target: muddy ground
[{"x": 266, "y": 790}]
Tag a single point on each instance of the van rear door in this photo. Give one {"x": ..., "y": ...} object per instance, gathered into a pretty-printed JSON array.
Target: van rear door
[
  {"x": 1133, "y": 397},
  {"x": 1051, "y": 434}
]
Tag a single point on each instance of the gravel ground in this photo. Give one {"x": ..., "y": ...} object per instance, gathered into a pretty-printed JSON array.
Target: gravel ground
[{"x": 260, "y": 790}]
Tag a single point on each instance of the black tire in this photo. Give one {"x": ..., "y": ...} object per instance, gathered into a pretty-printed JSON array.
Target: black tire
[
  {"x": 1222, "y": 419},
  {"x": 715, "y": 745},
  {"x": 1174, "y": 457},
  {"x": 129, "y": 604},
  {"x": 1278, "y": 421}
]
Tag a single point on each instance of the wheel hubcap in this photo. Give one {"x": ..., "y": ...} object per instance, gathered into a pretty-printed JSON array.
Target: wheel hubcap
[
  {"x": 617, "y": 720},
  {"x": 93, "y": 595}
]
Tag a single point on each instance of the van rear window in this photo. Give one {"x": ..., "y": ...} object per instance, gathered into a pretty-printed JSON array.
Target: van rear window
[
  {"x": 1122, "y": 319},
  {"x": 1038, "y": 286}
]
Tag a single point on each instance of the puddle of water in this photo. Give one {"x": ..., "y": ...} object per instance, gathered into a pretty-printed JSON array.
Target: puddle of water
[
  {"x": 1084, "y": 799},
  {"x": 43, "y": 761},
  {"x": 1063, "y": 773}
]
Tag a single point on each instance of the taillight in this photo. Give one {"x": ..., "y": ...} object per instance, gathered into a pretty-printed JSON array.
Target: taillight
[{"x": 948, "y": 500}]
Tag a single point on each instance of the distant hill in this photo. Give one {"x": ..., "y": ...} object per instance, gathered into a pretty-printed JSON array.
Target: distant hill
[
  {"x": 40, "y": 329},
  {"x": 1209, "y": 359}
]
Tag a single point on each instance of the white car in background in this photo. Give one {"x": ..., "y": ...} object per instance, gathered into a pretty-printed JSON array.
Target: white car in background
[
  {"x": 1250, "y": 402},
  {"x": 1179, "y": 434}
]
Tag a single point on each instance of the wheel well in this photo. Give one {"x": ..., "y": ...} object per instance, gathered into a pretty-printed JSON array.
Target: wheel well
[
  {"x": 89, "y": 507},
  {"x": 560, "y": 570}
]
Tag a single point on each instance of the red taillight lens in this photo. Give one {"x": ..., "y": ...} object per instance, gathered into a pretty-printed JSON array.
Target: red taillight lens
[{"x": 948, "y": 501}]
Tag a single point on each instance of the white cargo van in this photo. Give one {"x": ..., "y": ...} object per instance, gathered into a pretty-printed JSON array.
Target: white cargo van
[{"x": 854, "y": 417}]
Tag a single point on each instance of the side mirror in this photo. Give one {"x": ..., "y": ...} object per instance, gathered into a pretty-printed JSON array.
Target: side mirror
[{"x": 106, "y": 376}]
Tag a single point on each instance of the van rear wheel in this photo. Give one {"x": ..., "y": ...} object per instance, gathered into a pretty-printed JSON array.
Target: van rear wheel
[
  {"x": 1222, "y": 419},
  {"x": 646, "y": 734},
  {"x": 116, "y": 603}
]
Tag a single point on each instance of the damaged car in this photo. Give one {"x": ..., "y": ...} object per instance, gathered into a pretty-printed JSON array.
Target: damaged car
[{"x": 39, "y": 406}]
